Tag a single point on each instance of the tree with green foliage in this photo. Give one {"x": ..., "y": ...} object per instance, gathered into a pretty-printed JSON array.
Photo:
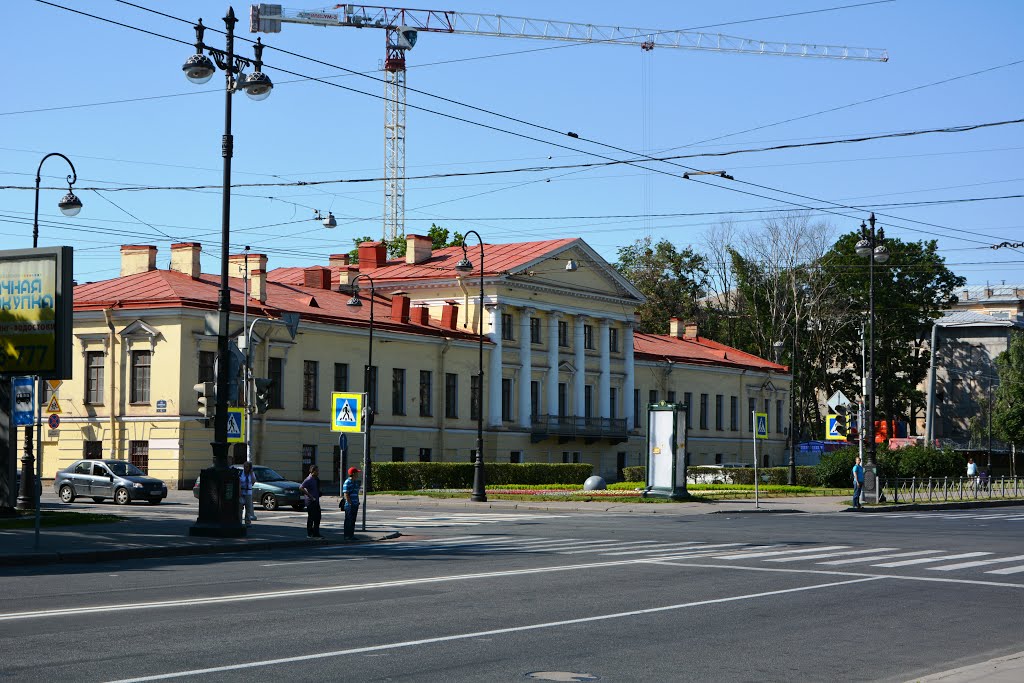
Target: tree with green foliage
[
  {"x": 672, "y": 280},
  {"x": 1008, "y": 405},
  {"x": 911, "y": 291}
]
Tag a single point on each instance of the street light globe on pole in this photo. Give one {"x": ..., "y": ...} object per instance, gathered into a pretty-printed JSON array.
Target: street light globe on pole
[
  {"x": 881, "y": 253},
  {"x": 70, "y": 204},
  {"x": 863, "y": 247},
  {"x": 257, "y": 86},
  {"x": 198, "y": 69}
]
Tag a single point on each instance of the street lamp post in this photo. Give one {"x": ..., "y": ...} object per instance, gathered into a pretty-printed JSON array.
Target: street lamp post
[
  {"x": 69, "y": 205},
  {"x": 367, "y": 378},
  {"x": 794, "y": 421},
  {"x": 219, "y": 512},
  {"x": 479, "y": 494},
  {"x": 871, "y": 246}
]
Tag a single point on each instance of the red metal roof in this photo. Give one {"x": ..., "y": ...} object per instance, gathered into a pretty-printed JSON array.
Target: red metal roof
[
  {"x": 171, "y": 289},
  {"x": 697, "y": 351},
  {"x": 498, "y": 258}
]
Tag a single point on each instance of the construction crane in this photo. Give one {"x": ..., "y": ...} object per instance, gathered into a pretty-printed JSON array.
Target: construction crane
[{"x": 402, "y": 26}]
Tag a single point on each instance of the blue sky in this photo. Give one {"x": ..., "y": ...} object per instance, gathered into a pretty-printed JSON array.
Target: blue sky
[{"x": 115, "y": 101}]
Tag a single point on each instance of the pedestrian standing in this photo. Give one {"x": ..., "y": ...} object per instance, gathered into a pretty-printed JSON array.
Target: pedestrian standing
[
  {"x": 350, "y": 501},
  {"x": 972, "y": 472},
  {"x": 245, "y": 481},
  {"x": 858, "y": 482},
  {"x": 310, "y": 488}
]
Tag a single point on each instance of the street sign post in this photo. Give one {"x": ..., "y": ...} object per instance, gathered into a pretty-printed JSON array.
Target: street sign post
[
  {"x": 54, "y": 405},
  {"x": 837, "y": 399},
  {"x": 23, "y": 391},
  {"x": 236, "y": 425},
  {"x": 346, "y": 412},
  {"x": 53, "y": 421},
  {"x": 760, "y": 432}
]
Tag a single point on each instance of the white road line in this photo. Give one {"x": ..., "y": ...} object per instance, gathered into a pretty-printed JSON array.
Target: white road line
[
  {"x": 839, "y": 554},
  {"x": 879, "y": 557},
  {"x": 483, "y": 634},
  {"x": 671, "y": 547},
  {"x": 326, "y": 559},
  {"x": 613, "y": 546},
  {"x": 746, "y": 556},
  {"x": 923, "y": 560},
  {"x": 1008, "y": 570},
  {"x": 976, "y": 563}
]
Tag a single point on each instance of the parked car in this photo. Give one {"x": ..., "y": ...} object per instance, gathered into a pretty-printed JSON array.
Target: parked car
[
  {"x": 100, "y": 479},
  {"x": 271, "y": 490}
]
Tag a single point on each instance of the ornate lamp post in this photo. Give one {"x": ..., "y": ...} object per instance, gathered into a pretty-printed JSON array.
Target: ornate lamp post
[
  {"x": 69, "y": 205},
  {"x": 479, "y": 480},
  {"x": 367, "y": 378},
  {"x": 218, "y": 508},
  {"x": 871, "y": 246}
]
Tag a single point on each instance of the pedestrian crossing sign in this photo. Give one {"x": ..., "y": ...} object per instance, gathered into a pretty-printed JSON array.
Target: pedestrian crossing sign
[
  {"x": 761, "y": 425},
  {"x": 236, "y": 425},
  {"x": 833, "y": 424},
  {"x": 346, "y": 412}
]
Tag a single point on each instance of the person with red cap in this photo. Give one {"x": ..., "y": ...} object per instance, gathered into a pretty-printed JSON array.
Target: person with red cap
[{"x": 350, "y": 501}]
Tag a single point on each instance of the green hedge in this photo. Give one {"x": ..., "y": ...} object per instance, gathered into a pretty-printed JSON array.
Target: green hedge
[
  {"x": 835, "y": 469},
  {"x": 412, "y": 476},
  {"x": 638, "y": 473}
]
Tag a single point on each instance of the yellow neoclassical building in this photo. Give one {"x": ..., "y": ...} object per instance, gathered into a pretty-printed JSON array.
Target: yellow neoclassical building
[{"x": 566, "y": 378}]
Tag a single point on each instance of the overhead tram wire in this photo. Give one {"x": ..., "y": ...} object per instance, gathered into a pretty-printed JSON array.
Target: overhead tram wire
[{"x": 538, "y": 126}]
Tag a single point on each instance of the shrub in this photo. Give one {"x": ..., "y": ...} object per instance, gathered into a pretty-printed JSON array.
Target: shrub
[
  {"x": 777, "y": 476},
  {"x": 638, "y": 473},
  {"x": 412, "y": 476},
  {"x": 836, "y": 468},
  {"x": 920, "y": 461}
]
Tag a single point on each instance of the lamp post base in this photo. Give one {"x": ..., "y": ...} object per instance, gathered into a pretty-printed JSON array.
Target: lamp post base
[
  {"x": 220, "y": 511},
  {"x": 26, "y": 497}
]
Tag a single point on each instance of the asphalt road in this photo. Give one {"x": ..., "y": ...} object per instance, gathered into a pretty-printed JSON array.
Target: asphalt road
[{"x": 464, "y": 596}]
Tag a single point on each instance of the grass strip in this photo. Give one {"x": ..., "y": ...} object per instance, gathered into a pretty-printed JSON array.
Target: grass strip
[{"x": 27, "y": 519}]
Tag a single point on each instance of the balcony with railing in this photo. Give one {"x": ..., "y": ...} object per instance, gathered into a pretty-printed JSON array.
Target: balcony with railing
[{"x": 570, "y": 428}]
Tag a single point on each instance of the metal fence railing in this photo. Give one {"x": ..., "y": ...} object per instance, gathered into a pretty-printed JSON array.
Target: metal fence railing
[{"x": 946, "y": 489}]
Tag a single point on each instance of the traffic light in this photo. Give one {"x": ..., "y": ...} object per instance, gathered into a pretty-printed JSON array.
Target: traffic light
[
  {"x": 261, "y": 393},
  {"x": 854, "y": 421},
  {"x": 207, "y": 399},
  {"x": 842, "y": 419}
]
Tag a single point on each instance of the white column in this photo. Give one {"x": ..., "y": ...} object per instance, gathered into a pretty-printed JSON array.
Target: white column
[
  {"x": 494, "y": 370},
  {"x": 552, "y": 379},
  {"x": 628, "y": 386},
  {"x": 580, "y": 379},
  {"x": 604, "y": 383},
  {"x": 526, "y": 371}
]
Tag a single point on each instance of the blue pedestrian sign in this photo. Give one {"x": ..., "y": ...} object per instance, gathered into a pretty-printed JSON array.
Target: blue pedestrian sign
[
  {"x": 761, "y": 425},
  {"x": 236, "y": 425},
  {"x": 346, "y": 412},
  {"x": 23, "y": 395},
  {"x": 832, "y": 427}
]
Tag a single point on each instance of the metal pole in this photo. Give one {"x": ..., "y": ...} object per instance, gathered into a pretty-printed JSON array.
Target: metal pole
[
  {"x": 870, "y": 472},
  {"x": 479, "y": 494},
  {"x": 38, "y": 488},
  {"x": 929, "y": 418},
  {"x": 28, "y": 496},
  {"x": 367, "y": 375},
  {"x": 220, "y": 421},
  {"x": 754, "y": 422},
  {"x": 247, "y": 373},
  {"x": 792, "y": 401}
]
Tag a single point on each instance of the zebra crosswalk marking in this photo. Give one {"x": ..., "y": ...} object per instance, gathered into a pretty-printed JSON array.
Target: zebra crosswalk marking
[
  {"x": 976, "y": 563},
  {"x": 1008, "y": 570},
  {"x": 617, "y": 545},
  {"x": 670, "y": 547},
  {"x": 925, "y": 560},
  {"x": 745, "y": 556},
  {"x": 879, "y": 557},
  {"x": 826, "y": 555}
]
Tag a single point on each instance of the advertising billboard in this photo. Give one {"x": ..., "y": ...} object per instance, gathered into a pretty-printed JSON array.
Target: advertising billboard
[{"x": 36, "y": 300}]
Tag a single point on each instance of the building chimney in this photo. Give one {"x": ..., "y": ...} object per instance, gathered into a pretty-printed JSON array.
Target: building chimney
[
  {"x": 345, "y": 277},
  {"x": 692, "y": 331},
  {"x": 418, "y": 248},
  {"x": 450, "y": 316},
  {"x": 420, "y": 315},
  {"x": 400, "y": 307},
  {"x": 237, "y": 264},
  {"x": 137, "y": 258},
  {"x": 338, "y": 260},
  {"x": 317, "y": 277},
  {"x": 258, "y": 285},
  {"x": 676, "y": 328},
  {"x": 185, "y": 258},
  {"x": 372, "y": 255}
]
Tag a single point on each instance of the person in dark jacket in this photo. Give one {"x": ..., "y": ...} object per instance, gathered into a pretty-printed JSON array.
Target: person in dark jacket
[
  {"x": 350, "y": 501},
  {"x": 310, "y": 488}
]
